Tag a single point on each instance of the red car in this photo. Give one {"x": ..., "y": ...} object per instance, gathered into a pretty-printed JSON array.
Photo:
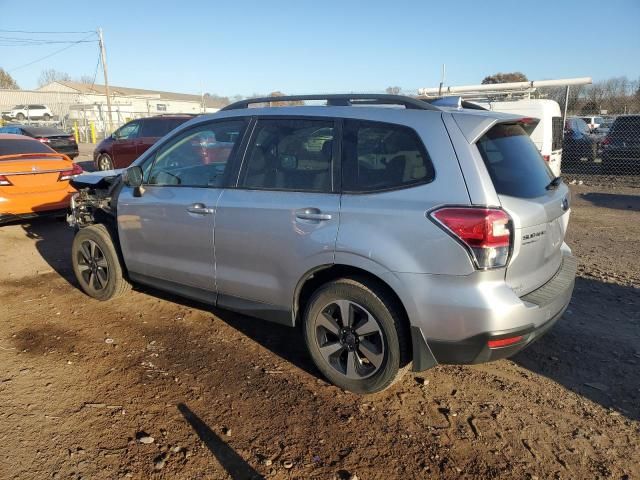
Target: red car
[{"x": 123, "y": 146}]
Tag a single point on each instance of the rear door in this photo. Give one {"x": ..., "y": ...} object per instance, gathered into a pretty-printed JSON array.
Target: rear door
[
  {"x": 151, "y": 131},
  {"x": 539, "y": 210},
  {"x": 282, "y": 218}
]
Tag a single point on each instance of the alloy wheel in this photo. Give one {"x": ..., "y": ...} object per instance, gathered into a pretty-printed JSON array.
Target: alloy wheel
[
  {"x": 350, "y": 339},
  {"x": 93, "y": 265},
  {"x": 104, "y": 163}
]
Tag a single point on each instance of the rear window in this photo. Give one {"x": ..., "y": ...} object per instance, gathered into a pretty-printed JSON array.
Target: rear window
[
  {"x": 626, "y": 127},
  {"x": 44, "y": 131},
  {"x": 556, "y": 133},
  {"x": 514, "y": 163},
  {"x": 13, "y": 147}
]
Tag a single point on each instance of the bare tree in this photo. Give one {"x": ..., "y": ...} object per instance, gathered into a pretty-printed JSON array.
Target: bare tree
[
  {"x": 52, "y": 75},
  {"x": 505, "y": 78},
  {"x": 278, "y": 93},
  {"x": 7, "y": 81},
  {"x": 86, "y": 79}
]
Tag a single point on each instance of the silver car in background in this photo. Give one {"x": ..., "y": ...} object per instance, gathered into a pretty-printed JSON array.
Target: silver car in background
[{"x": 406, "y": 235}]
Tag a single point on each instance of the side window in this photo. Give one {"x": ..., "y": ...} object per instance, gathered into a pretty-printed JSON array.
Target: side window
[
  {"x": 381, "y": 156},
  {"x": 290, "y": 155},
  {"x": 128, "y": 131},
  {"x": 153, "y": 128},
  {"x": 197, "y": 157}
]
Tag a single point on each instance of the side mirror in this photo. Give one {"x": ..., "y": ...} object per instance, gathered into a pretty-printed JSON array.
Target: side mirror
[{"x": 133, "y": 178}]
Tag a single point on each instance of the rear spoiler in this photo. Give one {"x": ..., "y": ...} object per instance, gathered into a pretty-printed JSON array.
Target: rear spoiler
[
  {"x": 475, "y": 126},
  {"x": 32, "y": 156}
]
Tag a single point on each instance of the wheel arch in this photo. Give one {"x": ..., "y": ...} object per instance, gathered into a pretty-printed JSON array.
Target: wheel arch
[{"x": 421, "y": 354}]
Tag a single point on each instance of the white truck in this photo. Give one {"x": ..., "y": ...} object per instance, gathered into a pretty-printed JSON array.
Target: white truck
[{"x": 515, "y": 97}]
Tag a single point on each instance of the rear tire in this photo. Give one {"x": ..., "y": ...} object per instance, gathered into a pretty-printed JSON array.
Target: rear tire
[
  {"x": 357, "y": 335},
  {"x": 105, "y": 162},
  {"x": 46, "y": 117},
  {"x": 96, "y": 264},
  {"x": 20, "y": 116}
]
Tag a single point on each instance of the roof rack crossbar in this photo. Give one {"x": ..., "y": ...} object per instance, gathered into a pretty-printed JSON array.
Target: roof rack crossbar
[{"x": 341, "y": 100}]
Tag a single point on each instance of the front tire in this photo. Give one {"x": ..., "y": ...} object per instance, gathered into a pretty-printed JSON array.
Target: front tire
[
  {"x": 46, "y": 117},
  {"x": 357, "y": 336},
  {"x": 20, "y": 117},
  {"x": 105, "y": 162},
  {"x": 96, "y": 264}
]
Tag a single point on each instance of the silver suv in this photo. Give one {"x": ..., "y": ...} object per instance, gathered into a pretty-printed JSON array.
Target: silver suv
[{"x": 392, "y": 231}]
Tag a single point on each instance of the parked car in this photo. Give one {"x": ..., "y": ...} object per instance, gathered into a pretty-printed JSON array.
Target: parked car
[
  {"x": 34, "y": 180},
  {"x": 578, "y": 144},
  {"x": 593, "y": 122},
  {"x": 621, "y": 147},
  {"x": 131, "y": 140},
  {"x": 58, "y": 140},
  {"x": 28, "y": 112},
  {"x": 391, "y": 235},
  {"x": 605, "y": 126}
]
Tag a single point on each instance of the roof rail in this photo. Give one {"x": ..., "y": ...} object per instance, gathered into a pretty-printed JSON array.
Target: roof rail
[{"x": 340, "y": 100}]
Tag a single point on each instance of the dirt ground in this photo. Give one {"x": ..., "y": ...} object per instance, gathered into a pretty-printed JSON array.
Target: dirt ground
[{"x": 84, "y": 385}]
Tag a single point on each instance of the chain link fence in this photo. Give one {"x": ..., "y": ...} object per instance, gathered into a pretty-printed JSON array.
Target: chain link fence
[{"x": 601, "y": 132}]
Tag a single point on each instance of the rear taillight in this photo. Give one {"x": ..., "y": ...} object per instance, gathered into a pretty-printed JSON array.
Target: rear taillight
[
  {"x": 484, "y": 232},
  {"x": 67, "y": 174},
  {"x": 72, "y": 138},
  {"x": 4, "y": 181},
  {"x": 504, "y": 342},
  {"x": 606, "y": 140},
  {"x": 43, "y": 139},
  {"x": 546, "y": 158}
]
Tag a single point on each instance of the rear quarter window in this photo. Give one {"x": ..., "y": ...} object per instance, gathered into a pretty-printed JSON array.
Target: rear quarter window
[
  {"x": 513, "y": 162},
  {"x": 380, "y": 156}
]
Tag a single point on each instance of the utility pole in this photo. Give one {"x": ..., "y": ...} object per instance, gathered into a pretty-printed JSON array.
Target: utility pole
[{"x": 103, "y": 56}]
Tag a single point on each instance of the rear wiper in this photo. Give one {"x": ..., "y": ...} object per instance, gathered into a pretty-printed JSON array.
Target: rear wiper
[{"x": 553, "y": 184}]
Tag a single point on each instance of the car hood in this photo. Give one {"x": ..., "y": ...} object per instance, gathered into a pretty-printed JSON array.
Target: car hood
[{"x": 96, "y": 179}]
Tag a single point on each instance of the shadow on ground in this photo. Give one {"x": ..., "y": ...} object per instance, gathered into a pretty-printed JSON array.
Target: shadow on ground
[
  {"x": 234, "y": 464},
  {"x": 53, "y": 239},
  {"x": 594, "y": 350},
  {"x": 613, "y": 200}
]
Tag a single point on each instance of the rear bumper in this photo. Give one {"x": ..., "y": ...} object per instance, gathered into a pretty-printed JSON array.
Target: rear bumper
[
  {"x": 10, "y": 217},
  {"x": 455, "y": 320},
  {"x": 33, "y": 204}
]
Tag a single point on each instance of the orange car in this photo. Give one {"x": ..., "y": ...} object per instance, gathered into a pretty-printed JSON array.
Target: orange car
[{"x": 34, "y": 179}]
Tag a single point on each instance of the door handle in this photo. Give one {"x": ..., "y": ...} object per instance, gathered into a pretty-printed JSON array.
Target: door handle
[
  {"x": 200, "y": 209},
  {"x": 312, "y": 214}
]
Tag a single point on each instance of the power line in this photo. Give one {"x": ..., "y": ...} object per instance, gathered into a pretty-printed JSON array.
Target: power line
[
  {"x": 50, "y": 55},
  {"x": 46, "y": 33}
]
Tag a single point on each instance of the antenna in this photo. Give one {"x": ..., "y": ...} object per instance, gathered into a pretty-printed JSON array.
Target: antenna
[{"x": 442, "y": 77}]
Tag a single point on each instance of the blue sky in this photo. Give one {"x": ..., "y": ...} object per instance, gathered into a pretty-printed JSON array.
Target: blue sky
[{"x": 245, "y": 47}]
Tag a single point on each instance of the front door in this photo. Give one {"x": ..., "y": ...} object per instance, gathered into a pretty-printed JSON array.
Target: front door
[
  {"x": 281, "y": 220},
  {"x": 124, "y": 147},
  {"x": 166, "y": 233}
]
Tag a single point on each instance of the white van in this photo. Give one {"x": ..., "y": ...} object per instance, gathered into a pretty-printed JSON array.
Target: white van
[{"x": 547, "y": 135}]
